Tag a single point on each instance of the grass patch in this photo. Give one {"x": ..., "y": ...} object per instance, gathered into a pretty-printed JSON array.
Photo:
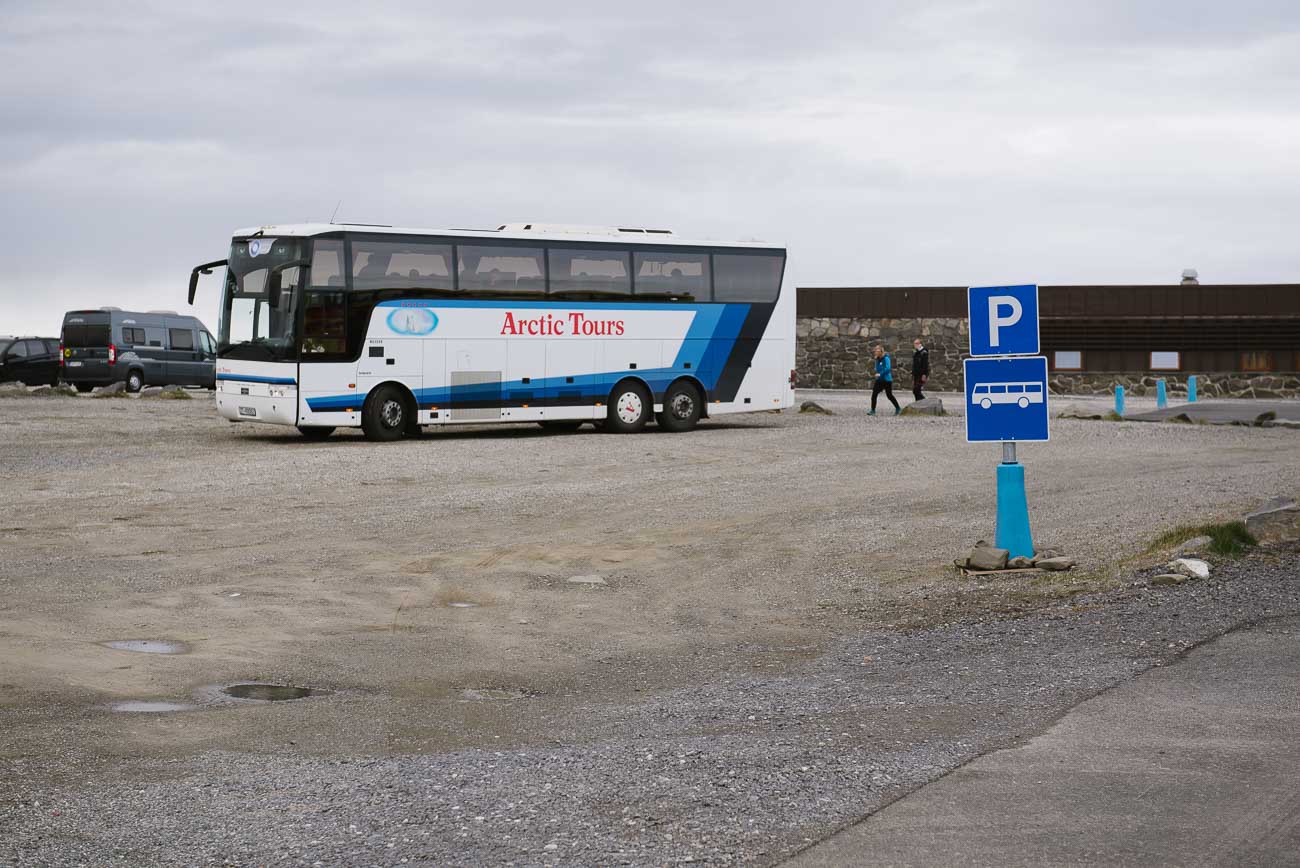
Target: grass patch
[
  {"x": 1229, "y": 539},
  {"x": 122, "y": 394},
  {"x": 175, "y": 395},
  {"x": 1112, "y": 416}
]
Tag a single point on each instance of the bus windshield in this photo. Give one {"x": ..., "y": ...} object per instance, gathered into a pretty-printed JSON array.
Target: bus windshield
[{"x": 250, "y": 328}]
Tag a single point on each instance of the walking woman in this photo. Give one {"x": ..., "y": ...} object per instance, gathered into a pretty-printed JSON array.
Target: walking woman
[{"x": 884, "y": 381}]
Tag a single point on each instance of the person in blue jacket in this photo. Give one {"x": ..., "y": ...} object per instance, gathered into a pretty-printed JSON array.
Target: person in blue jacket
[{"x": 884, "y": 381}]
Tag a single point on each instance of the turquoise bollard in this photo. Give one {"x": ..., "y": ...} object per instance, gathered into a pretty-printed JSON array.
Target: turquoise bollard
[
  {"x": 1119, "y": 400},
  {"x": 1012, "y": 531},
  {"x": 1162, "y": 400},
  {"x": 1191, "y": 389}
]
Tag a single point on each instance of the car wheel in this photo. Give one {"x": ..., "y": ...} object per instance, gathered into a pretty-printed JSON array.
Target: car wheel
[
  {"x": 386, "y": 414},
  {"x": 134, "y": 381},
  {"x": 682, "y": 408},
  {"x": 629, "y": 408},
  {"x": 986, "y": 403},
  {"x": 315, "y": 432}
]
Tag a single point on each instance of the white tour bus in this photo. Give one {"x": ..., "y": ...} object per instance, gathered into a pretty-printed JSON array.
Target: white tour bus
[{"x": 328, "y": 325}]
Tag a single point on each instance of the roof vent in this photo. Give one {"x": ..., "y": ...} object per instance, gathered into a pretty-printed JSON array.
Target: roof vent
[
  {"x": 164, "y": 312},
  {"x": 1190, "y": 277},
  {"x": 565, "y": 229},
  {"x": 110, "y": 309}
]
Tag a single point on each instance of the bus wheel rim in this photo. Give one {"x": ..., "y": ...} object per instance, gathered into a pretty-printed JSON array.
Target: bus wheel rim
[
  {"x": 683, "y": 406},
  {"x": 630, "y": 407},
  {"x": 391, "y": 413}
]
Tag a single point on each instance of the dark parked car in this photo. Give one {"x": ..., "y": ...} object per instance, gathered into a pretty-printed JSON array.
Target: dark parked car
[
  {"x": 148, "y": 348},
  {"x": 34, "y": 361}
]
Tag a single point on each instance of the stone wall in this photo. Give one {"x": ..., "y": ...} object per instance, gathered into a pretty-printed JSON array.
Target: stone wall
[{"x": 836, "y": 354}]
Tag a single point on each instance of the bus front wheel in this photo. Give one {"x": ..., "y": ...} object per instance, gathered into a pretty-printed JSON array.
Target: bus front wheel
[
  {"x": 386, "y": 416},
  {"x": 630, "y": 407}
]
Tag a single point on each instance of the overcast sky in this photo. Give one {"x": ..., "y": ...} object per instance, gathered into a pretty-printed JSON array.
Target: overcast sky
[{"x": 882, "y": 142}]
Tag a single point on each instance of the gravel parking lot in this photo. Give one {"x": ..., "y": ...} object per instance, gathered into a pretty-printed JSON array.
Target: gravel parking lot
[{"x": 774, "y": 645}]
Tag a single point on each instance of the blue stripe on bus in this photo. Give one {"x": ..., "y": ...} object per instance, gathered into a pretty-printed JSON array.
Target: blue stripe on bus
[
  {"x": 706, "y": 347},
  {"x": 248, "y": 378}
]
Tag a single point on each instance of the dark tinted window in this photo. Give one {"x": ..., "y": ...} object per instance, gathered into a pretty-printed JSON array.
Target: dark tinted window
[
  {"x": 746, "y": 277},
  {"x": 207, "y": 343},
  {"x": 327, "y": 263},
  {"x": 52, "y": 347},
  {"x": 502, "y": 269},
  {"x": 325, "y": 320},
  {"x": 35, "y": 348},
  {"x": 672, "y": 274},
  {"x": 399, "y": 265},
  {"x": 85, "y": 335},
  {"x": 182, "y": 339},
  {"x": 17, "y": 350},
  {"x": 604, "y": 272},
  {"x": 132, "y": 336}
]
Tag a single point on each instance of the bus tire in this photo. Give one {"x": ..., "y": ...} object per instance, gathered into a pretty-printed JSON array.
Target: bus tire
[
  {"x": 134, "y": 380},
  {"x": 386, "y": 415},
  {"x": 630, "y": 407},
  {"x": 683, "y": 407},
  {"x": 315, "y": 432}
]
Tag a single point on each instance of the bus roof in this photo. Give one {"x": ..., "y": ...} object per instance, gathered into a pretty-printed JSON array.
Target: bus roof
[{"x": 510, "y": 232}]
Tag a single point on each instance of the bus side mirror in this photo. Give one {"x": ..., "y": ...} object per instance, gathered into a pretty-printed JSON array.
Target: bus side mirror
[
  {"x": 206, "y": 268},
  {"x": 275, "y": 279}
]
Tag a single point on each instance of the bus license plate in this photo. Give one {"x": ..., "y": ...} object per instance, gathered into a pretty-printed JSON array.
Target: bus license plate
[{"x": 248, "y": 411}]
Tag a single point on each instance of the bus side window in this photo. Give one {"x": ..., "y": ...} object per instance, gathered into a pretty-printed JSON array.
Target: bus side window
[{"x": 324, "y": 329}]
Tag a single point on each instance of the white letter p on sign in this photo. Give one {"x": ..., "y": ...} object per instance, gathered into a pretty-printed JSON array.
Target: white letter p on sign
[{"x": 997, "y": 320}]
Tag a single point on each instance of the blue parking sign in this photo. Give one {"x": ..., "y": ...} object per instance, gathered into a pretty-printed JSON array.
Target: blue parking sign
[
  {"x": 1006, "y": 400},
  {"x": 1003, "y": 320}
]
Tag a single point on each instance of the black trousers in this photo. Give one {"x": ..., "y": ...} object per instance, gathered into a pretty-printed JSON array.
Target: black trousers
[
  {"x": 883, "y": 386},
  {"x": 918, "y": 383}
]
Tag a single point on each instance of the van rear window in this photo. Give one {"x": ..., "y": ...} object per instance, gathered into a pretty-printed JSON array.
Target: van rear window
[{"x": 86, "y": 335}]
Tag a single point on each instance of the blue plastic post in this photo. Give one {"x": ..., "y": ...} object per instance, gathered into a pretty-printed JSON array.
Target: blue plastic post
[
  {"x": 1119, "y": 400},
  {"x": 1013, "y": 512},
  {"x": 1191, "y": 389},
  {"x": 1162, "y": 400}
]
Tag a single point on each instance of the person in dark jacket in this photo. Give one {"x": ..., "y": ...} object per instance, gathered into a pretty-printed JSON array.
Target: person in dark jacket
[
  {"x": 884, "y": 381},
  {"x": 920, "y": 368}
]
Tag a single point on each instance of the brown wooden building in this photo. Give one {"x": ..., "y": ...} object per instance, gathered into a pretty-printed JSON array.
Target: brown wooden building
[{"x": 1251, "y": 328}]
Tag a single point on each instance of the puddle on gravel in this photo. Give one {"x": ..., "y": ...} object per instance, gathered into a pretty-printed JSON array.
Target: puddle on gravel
[
  {"x": 136, "y": 706},
  {"x": 268, "y": 692},
  {"x": 148, "y": 646}
]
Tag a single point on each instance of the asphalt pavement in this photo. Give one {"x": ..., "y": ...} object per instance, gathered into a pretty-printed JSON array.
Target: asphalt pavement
[{"x": 1197, "y": 763}]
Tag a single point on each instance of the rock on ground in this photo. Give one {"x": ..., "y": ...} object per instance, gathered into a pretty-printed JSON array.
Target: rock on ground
[
  {"x": 987, "y": 558},
  {"x": 1019, "y": 563},
  {"x": 925, "y": 407},
  {"x": 814, "y": 407},
  {"x": 1191, "y": 567},
  {"x": 1056, "y": 564},
  {"x": 1275, "y": 521},
  {"x": 1194, "y": 545}
]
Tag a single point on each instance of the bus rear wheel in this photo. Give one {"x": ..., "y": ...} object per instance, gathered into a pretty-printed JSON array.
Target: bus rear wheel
[
  {"x": 682, "y": 408},
  {"x": 386, "y": 415},
  {"x": 629, "y": 408}
]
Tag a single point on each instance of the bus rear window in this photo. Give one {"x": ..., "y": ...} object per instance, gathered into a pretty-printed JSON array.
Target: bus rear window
[
  {"x": 749, "y": 277},
  {"x": 86, "y": 335}
]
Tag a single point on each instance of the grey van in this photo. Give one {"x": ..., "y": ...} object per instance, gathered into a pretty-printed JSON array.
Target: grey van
[{"x": 149, "y": 348}]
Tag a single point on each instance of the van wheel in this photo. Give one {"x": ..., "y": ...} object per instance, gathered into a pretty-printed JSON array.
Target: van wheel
[
  {"x": 682, "y": 408},
  {"x": 134, "y": 381},
  {"x": 385, "y": 415},
  {"x": 315, "y": 432},
  {"x": 629, "y": 408},
  {"x": 83, "y": 388}
]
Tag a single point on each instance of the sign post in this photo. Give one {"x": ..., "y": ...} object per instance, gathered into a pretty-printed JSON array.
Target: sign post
[{"x": 1006, "y": 396}]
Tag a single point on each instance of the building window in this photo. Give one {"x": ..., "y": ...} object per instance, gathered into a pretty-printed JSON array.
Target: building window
[
  {"x": 1067, "y": 360},
  {"x": 1257, "y": 360},
  {"x": 1166, "y": 361}
]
